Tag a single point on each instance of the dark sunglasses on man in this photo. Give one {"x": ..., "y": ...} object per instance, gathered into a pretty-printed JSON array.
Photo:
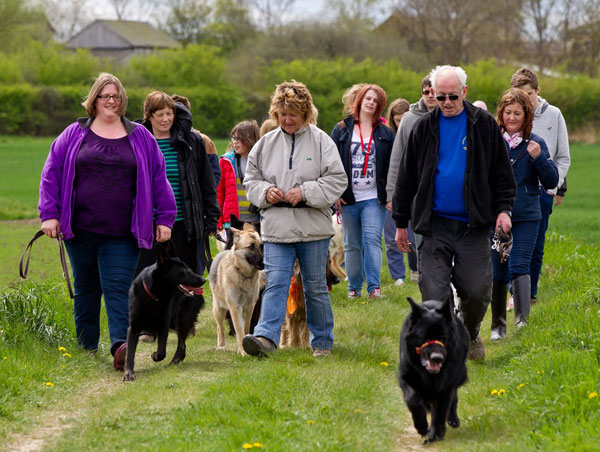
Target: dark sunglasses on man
[
  {"x": 426, "y": 92},
  {"x": 442, "y": 97}
]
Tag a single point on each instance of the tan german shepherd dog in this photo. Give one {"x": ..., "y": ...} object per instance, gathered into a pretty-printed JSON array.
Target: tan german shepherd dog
[{"x": 235, "y": 280}]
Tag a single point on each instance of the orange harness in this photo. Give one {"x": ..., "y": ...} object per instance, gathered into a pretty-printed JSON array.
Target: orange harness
[
  {"x": 292, "y": 301},
  {"x": 427, "y": 344}
]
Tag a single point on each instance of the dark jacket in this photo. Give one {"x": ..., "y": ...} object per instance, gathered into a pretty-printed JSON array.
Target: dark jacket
[
  {"x": 529, "y": 173},
  {"x": 200, "y": 208},
  {"x": 383, "y": 139},
  {"x": 489, "y": 186}
]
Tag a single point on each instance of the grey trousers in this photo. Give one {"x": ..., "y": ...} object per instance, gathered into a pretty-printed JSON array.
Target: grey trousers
[{"x": 455, "y": 253}]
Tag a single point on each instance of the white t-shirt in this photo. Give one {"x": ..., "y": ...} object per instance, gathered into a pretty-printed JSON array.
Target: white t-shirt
[{"x": 363, "y": 186}]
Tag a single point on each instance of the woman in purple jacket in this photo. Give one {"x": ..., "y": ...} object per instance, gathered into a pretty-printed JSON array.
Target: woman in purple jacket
[{"x": 103, "y": 187}]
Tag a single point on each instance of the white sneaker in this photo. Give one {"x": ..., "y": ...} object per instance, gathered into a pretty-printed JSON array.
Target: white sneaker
[{"x": 399, "y": 282}]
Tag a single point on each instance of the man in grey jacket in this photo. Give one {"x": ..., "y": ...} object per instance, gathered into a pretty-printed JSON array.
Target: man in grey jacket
[
  {"x": 549, "y": 124},
  {"x": 416, "y": 110}
]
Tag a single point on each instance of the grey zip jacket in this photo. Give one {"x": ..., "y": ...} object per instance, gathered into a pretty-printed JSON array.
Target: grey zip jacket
[
  {"x": 549, "y": 123},
  {"x": 308, "y": 159},
  {"x": 415, "y": 111}
]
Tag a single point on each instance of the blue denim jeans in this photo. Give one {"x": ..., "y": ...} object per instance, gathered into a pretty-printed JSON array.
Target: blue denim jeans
[
  {"x": 362, "y": 224},
  {"x": 101, "y": 265},
  {"x": 279, "y": 265},
  {"x": 395, "y": 257},
  {"x": 524, "y": 237},
  {"x": 535, "y": 268}
]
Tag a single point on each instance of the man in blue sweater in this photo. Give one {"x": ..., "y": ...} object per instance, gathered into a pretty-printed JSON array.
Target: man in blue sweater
[{"x": 455, "y": 183}]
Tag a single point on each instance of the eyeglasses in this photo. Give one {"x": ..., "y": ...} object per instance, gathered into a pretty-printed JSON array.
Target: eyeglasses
[
  {"x": 443, "y": 97},
  {"x": 106, "y": 97},
  {"x": 426, "y": 92},
  {"x": 235, "y": 138}
]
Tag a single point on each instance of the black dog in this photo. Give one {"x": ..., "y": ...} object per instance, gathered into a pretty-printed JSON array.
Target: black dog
[
  {"x": 433, "y": 353},
  {"x": 164, "y": 295}
]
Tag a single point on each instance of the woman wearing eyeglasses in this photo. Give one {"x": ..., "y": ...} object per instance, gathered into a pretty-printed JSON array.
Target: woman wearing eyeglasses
[
  {"x": 231, "y": 192},
  {"x": 104, "y": 188},
  {"x": 365, "y": 146},
  {"x": 531, "y": 165}
]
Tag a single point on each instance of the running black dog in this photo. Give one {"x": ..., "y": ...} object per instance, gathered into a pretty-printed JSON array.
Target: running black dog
[
  {"x": 433, "y": 352},
  {"x": 165, "y": 295}
]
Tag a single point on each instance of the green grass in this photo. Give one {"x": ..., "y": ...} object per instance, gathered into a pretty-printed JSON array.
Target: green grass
[{"x": 219, "y": 401}]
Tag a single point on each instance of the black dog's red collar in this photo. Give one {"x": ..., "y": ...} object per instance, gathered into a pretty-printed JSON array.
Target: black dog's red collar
[
  {"x": 427, "y": 344},
  {"x": 150, "y": 294}
]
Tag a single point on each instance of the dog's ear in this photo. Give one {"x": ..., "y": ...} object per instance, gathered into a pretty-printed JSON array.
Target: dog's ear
[
  {"x": 162, "y": 255},
  {"x": 447, "y": 308},
  {"x": 248, "y": 227},
  {"x": 235, "y": 222},
  {"x": 417, "y": 309},
  {"x": 236, "y": 235}
]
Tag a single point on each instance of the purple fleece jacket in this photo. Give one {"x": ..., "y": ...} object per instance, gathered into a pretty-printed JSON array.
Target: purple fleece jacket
[{"x": 154, "y": 200}]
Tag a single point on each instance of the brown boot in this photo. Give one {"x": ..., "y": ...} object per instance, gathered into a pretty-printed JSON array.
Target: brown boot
[{"x": 476, "y": 350}]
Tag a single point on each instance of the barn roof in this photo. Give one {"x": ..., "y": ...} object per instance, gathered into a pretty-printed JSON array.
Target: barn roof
[{"x": 135, "y": 34}]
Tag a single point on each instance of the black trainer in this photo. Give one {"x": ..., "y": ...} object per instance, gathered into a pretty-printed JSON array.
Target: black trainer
[{"x": 257, "y": 345}]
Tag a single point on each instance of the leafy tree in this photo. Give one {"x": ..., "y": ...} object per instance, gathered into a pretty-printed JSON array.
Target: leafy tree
[
  {"x": 187, "y": 19},
  {"x": 19, "y": 24}
]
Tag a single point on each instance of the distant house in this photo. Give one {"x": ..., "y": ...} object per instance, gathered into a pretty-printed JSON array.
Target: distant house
[{"x": 121, "y": 39}]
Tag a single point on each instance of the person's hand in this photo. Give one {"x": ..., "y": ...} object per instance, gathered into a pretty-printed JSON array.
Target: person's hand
[
  {"x": 163, "y": 233},
  {"x": 402, "y": 240},
  {"x": 274, "y": 195},
  {"x": 338, "y": 205},
  {"x": 504, "y": 222},
  {"x": 51, "y": 228},
  {"x": 558, "y": 200},
  {"x": 534, "y": 149},
  {"x": 294, "y": 196},
  {"x": 388, "y": 206}
]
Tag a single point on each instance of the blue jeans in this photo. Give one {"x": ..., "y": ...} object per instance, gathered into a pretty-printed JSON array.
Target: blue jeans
[
  {"x": 535, "y": 268},
  {"x": 279, "y": 265},
  {"x": 101, "y": 265},
  {"x": 362, "y": 224},
  {"x": 524, "y": 237},
  {"x": 395, "y": 257}
]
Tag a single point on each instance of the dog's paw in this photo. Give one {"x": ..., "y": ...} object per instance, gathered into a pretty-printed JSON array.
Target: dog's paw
[
  {"x": 129, "y": 376},
  {"x": 432, "y": 436},
  {"x": 422, "y": 429},
  {"x": 221, "y": 348},
  {"x": 156, "y": 357},
  {"x": 241, "y": 352},
  {"x": 453, "y": 421}
]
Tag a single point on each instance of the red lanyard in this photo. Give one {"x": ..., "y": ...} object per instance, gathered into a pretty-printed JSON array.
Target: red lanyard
[{"x": 362, "y": 143}]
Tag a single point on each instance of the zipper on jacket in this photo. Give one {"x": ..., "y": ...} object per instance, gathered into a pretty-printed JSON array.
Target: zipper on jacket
[{"x": 292, "y": 151}]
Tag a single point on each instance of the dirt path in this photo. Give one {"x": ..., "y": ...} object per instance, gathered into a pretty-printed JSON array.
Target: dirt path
[{"x": 54, "y": 423}]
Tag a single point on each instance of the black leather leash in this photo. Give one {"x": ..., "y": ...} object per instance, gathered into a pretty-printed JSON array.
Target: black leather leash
[{"x": 24, "y": 262}]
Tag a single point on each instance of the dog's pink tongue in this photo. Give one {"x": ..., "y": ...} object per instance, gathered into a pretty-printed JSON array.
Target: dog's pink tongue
[
  {"x": 434, "y": 367},
  {"x": 195, "y": 290}
]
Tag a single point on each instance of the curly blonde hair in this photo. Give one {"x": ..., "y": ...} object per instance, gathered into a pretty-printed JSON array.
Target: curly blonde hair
[{"x": 294, "y": 97}]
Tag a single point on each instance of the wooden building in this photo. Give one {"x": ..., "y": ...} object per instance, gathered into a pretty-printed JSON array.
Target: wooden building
[{"x": 121, "y": 39}]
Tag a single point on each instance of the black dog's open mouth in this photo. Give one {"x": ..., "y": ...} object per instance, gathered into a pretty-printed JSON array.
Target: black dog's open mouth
[
  {"x": 190, "y": 291},
  {"x": 433, "y": 367}
]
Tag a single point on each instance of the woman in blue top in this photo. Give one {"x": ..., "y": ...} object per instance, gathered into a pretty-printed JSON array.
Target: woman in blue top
[
  {"x": 531, "y": 165},
  {"x": 365, "y": 147}
]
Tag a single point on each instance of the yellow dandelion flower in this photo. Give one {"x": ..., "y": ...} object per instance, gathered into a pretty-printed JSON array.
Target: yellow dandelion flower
[
  {"x": 67, "y": 355},
  {"x": 310, "y": 422},
  {"x": 62, "y": 349},
  {"x": 358, "y": 410},
  {"x": 521, "y": 386},
  {"x": 5, "y": 358},
  {"x": 259, "y": 445},
  {"x": 49, "y": 384},
  {"x": 247, "y": 446},
  {"x": 494, "y": 392},
  {"x": 500, "y": 392},
  {"x": 384, "y": 364},
  {"x": 593, "y": 395},
  {"x": 363, "y": 302}
]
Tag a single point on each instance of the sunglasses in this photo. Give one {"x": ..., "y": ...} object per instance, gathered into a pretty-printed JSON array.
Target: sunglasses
[
  {"x": 443, "y": 97},
  {"x": 426, "y": 92}
]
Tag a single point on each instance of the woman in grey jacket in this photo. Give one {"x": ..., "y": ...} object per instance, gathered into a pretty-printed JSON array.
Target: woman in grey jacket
[{"x": 294, "y": 175}]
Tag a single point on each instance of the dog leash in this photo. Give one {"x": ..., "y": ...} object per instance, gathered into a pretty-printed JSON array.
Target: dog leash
[{"x": 24, "y": 262}]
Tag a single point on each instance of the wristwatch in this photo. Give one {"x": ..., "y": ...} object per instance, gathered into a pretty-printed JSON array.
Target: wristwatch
[{"x": 507, "y": 212}]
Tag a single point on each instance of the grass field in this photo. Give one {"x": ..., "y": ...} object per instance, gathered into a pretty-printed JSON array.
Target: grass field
[{"x": 548, "y": 375}]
